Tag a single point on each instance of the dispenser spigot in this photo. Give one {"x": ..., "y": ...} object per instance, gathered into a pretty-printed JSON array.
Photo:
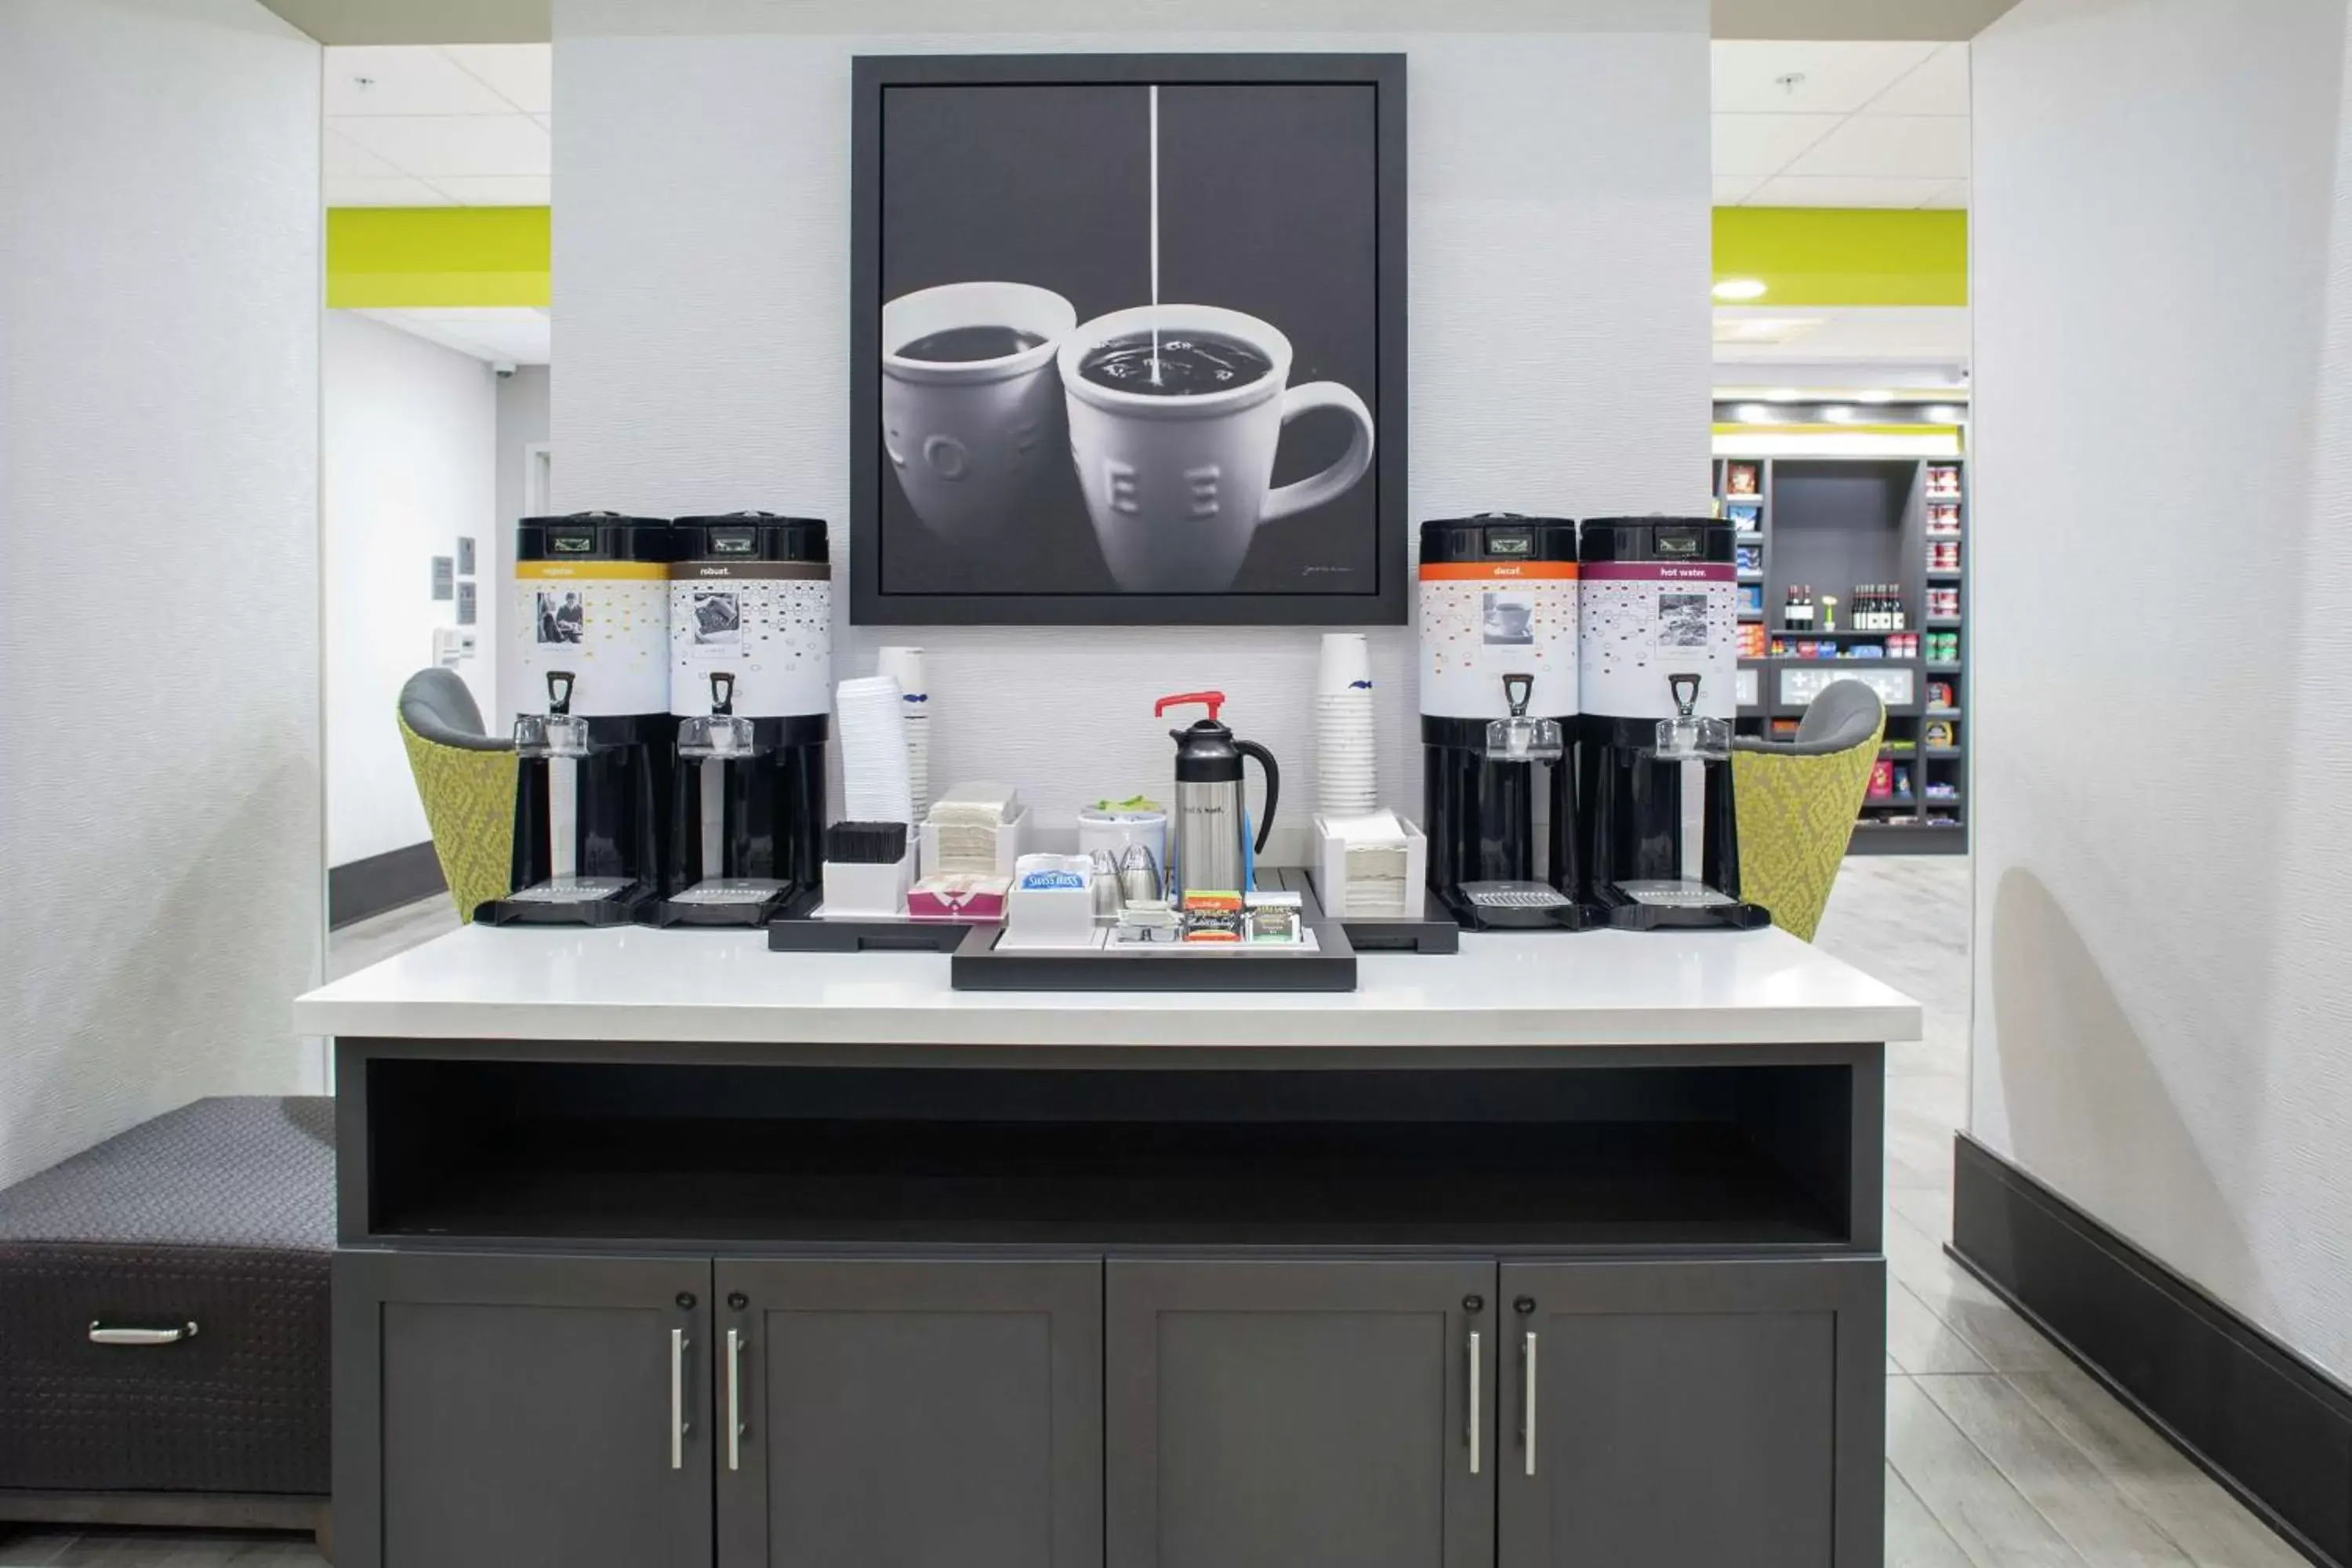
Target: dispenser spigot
[{"x": 1519, "y": 739}]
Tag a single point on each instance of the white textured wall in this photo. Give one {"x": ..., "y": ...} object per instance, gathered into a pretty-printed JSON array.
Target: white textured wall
[
  {"x": 159, "y": 566},
  {"x": 2163, "y": 559},
  {"x": 409, "y": 452},
  {"x": 1559, "y": 229},
  {"x": 522, "y": 422}
]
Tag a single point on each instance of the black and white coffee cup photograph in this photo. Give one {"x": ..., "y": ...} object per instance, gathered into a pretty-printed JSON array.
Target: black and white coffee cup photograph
[{"x": 1131, "y": 335}]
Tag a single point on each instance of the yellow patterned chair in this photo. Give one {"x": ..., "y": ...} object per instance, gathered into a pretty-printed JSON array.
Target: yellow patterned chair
[
  {"x": 466, "y": 778},
  {"x": 1798, "y": 800}
]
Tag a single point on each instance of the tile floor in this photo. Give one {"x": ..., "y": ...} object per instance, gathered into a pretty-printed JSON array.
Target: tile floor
[{"x": 2000, "y": 1452}]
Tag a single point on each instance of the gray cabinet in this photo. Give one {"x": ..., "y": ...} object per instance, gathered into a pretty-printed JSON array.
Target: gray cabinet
[
  {"x": 499, "y": 1411},
  {"x": 507, "y": 1411},
  {"x": 900, "y": 1414},
  {"x": 1300, "y": 1415},
  {"x": 1687, "y": 1414}
]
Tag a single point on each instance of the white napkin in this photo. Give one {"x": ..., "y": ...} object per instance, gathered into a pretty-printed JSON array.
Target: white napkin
[{"x": 874, "y": 779}]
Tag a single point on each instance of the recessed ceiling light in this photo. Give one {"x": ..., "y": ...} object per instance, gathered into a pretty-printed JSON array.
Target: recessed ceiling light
[
  {"x": 1785, "y": 394},
  {"x": 1739, "y": 288},
  {"x": 1877, "y": 395}
]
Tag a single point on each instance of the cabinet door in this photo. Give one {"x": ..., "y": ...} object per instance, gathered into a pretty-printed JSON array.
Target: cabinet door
[
  {"x": 513, "y": 1412},
  {"x": 1687, "y": 1414},
  {"x": 1300, "y": 1414},
  {"x": 896, "y": 1414}
]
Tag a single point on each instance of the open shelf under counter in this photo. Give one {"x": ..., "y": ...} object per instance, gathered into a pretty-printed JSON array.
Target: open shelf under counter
[{"x": 684, "y": 1154}]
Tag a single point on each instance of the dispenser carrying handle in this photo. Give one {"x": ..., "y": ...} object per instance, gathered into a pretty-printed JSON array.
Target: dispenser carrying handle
[
  {"x": 1272, "y": 788},
  {"x": 1213, "y": 699}
]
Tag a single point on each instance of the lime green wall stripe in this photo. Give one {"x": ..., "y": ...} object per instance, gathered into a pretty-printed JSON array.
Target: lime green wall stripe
[
  {"x": 452, "y": 257},
  {"x": 1844, "y": 256},
  {"x": 416, "y": 258}
]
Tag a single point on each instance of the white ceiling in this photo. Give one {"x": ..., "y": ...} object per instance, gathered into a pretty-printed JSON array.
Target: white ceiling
[
  {"x": 457, "y": 125},
  {"x": 517, "y": 334},
  {"x": 1841, "y": 124},
  {"x": 1933, "y": 340},
  {"x": 1862, "y": 124},
  {"x": 520, "y": 21}
]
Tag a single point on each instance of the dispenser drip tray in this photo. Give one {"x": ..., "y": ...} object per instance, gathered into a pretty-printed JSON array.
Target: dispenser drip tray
[
  {"x": 1676, "y": 895},
  {"x": 730, "y": 891},
  {"x": 1515, "y": 906},
  {"x": 571, "y": 891},
  {"x": 1676, "y": 902},
  {"x": 1513, "y": 895}
]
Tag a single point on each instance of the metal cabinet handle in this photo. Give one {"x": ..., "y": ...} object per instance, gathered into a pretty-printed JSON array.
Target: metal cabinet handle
[
  {"x": 1475, "y": 1423},
  {"x": 100, "y": 1334},
  {"x": 734, "y": 1399},
  {"x": 677, "y": 1399},
  {"x": 1527, "y": 1401}
]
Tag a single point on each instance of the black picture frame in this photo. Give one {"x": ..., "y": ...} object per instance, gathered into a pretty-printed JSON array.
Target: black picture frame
[{"x": 1387, "y": 602}]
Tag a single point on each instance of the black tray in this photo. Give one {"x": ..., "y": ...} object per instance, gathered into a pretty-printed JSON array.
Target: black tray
[
  {"x": 802, "y": 935},
  {"x": 1433, "y": 931},
  {"x": 1331, "y": 966}
]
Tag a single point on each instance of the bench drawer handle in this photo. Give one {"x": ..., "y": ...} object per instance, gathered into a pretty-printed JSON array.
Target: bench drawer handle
[{"x": 121, "y": 1334}]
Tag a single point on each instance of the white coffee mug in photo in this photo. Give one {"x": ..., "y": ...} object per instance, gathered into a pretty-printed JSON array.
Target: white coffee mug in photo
[
  {"x": 970, "y": 439},
  {"x": 1177, "y": 486}
]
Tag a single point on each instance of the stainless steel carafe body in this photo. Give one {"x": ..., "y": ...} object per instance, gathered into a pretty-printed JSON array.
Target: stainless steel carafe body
[{"x": 1208, "y": 835}]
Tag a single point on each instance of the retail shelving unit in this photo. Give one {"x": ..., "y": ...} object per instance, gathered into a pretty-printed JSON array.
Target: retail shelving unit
[{"x": 1829, "y": 523}]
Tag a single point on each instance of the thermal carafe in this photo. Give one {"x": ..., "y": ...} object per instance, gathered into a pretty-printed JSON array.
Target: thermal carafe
[
  {"x": 1210, "y": 846},
  {"x": 750, "y": 685}
]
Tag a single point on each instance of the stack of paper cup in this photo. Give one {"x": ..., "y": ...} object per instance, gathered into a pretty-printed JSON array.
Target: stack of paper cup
[
  {"x": 874, "y": 783},
  {"x": 905, "y": 666},
  {"x": 1346, "y": 769}
]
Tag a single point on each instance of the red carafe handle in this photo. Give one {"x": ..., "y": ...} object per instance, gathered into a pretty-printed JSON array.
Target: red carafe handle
[{"x": 1213, "y": 699}]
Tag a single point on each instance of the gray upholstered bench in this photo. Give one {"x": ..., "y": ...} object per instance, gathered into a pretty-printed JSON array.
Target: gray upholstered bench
[{"x": 165, "y": 1323}]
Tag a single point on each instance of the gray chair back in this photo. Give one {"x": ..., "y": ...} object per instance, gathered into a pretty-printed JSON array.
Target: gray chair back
[
  {"x": 437, "y": 705},
  {"x": 1846, "y": 714}
]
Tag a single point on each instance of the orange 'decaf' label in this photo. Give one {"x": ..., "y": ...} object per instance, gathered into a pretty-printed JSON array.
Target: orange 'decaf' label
[{"x": 1497, "y": 571}]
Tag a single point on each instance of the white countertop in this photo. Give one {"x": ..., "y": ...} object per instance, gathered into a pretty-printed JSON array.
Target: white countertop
[{"x": 1542, "y": 989}]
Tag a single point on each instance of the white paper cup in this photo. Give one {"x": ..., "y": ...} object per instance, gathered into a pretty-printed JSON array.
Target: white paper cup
[
  {"x": 1346, "y": 666},
  {"x": 905, "y": 666}
]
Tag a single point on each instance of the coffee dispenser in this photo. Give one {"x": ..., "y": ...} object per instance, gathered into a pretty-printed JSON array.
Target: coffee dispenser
[
  {"x": 750, "y": 683},
  {"x": 590, "y": 634},
  {"x": 1658, "y": 670},
  {"x": 1498, "y": 696}
]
